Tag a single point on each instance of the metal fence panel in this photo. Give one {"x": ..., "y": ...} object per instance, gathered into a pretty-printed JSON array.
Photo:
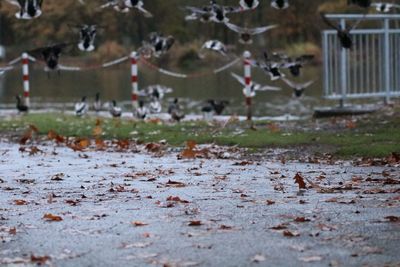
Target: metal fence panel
[{"x": 370, "y": 69}]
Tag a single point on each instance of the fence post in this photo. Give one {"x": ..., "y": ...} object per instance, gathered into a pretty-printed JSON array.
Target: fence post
[
  {"x": 247, "y": 77},
  {"x": 343, "y": 66},
  {"x": 386, "y": 56},
  {"x": 134, "y": 81},
  {"x": 25, "y": 78}
]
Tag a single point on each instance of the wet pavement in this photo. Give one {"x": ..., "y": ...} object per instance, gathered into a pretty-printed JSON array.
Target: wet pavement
[{"x": 95, "y": 208}]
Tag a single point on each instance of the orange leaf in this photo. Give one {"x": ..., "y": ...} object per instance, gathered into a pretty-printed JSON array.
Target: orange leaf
[
  {"x": 97, "y": 131},
  {"x": 139, "y": 223},
  {"x": 20, "y": 202},
  {"x": 195, "y": 223},
  {"x": 191, "y": 144},
  {"x": 188, "y": 154},
  {"x": 300, "y": 180},
  {"x": 52, "y": 218}
]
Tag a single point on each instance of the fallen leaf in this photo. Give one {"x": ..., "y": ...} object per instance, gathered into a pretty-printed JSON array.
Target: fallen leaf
[
  {"x": 139, "y": 223},
  {"x": 195, "y": 223},
  {"x": 20, "y": 202},
  {"x": 258, "y": 258},
  {"x": 300, "y": 180},
  {"x": 288, "y": 233},
  {"x": 52, "y": 218}
]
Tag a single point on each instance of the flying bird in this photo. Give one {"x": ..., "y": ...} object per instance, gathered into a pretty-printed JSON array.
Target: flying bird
[
  {"x": 344, "y": 34},
  {"x": 280, "y": 4},
  {"x": 28, "y": 9},
  {"x": 293, "y": 64},
  {"x": 246, "y": 33},
  {"x": 385, "y": 7},
  {"x": 219, "y": 12},
  {"x": 269, "y": 66},
  {"x": 248, "y": 4},
  {"x": 254, "y": 87},
  {"x": 213, "y": 45},
  {"x": 50, "y": 55},
  {"x": 124, "y": 6},
  {"x": 298, "y": 88},
  {"x": 157, "y": 44},
  {"x": 87, "y": 35}
]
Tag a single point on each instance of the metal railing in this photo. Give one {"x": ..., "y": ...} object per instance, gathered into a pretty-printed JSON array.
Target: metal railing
[{"x": 371, "y": 68}]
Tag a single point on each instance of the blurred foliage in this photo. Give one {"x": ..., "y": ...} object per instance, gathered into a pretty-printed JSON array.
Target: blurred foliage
[{"x": 299, "y": 26}]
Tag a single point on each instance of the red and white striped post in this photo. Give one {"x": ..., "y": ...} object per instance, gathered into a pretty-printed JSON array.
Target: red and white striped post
[
  {"x": 247, "y": 77},
  {"x": 134, "y": 81},
  {"x": 25, "y": 78}
]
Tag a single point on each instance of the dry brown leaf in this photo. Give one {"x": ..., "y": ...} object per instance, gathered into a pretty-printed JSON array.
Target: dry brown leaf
[
  {"x": 171, "y": 183},
  {"x": 288, "y": 233},
  {"x": 40, "y": 260},
  {"x": 195, "y": 223},
  {"x": 300, "y": 181},
  {"x": 52, "y": 218},
  {"x": 139, "y": 223},
  {"x": 177, "y": 199},
  {"x": 20, "y": 202}
]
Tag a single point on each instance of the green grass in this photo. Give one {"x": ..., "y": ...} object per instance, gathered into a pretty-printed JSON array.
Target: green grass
[{"x": 369, "y": 139}]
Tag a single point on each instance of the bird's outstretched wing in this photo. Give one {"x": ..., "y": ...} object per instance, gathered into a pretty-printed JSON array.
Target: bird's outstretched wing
[
  {"x": 239, "y": 78},
  {"x": 16, "y": 3},
  {"x": 290, "y": 83},
  {"x": 328, "y": 22},
  {"x": 259, "y": 30}
]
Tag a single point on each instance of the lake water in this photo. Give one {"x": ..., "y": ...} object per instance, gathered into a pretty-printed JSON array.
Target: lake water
[{"x": 61, "y": 91}]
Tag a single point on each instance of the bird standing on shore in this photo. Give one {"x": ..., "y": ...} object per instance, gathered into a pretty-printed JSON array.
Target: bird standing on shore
[
  {"x": 81, "y": 107},
  {"x": 29, "y": 9},
  {"x": 21, "y": 107}
]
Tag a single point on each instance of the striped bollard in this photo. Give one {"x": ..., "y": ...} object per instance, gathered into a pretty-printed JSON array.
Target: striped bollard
[
  {"x": 25, "y": 78},
  {"x": 134, "y": 81},
  {"x": 247, "y": 77}
]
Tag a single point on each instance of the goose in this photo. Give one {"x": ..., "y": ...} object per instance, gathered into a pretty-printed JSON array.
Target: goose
[
  {"x": 249, "y": 4},
  {"x": 214, "y": 45},
  {"x": 29, "y": 9},
  {"x": 20, "y": 105},
  {"x": 246, "y": 33},
  {"x": 344, "y": 35},
  {"x": 175, "y": 111},
  {"x": 81, "y": 107},
  {"x": 142, "y": 111},
  {"x": 87, "y": 37},
  {"x": 114, "y": 110},
  {"x": 298, "y": 87},
  {"x": 384, "y": 7},
  {"x": 280, "y": 4},
  {"x": 97, "y": 103},
  {"x": 294, "y": 65},
  {"x": 254, "y": 86}
]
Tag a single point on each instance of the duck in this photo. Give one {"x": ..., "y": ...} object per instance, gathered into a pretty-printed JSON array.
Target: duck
[
  {"x": 114, "y": 110},
  {"x": 87, "y": 37},
  {"x": 142, "y": 111},
  {"x": 344, "y": 35},
  {"x": 29, "y": 9},
  {"x": 175, "y": 111},
  {"x": 298, "y": 88},
  {"x": 218, "y": 12},
  {"x": 155, "y": 106},
  {"x": 81, "y": 107},
  {"x": 294, "y": 65},
  {"x": 218, "y": 106},
  {"x": 207, "y": 111},
  {"x": 203, "y": 14},
  {"x": 214, "y": 45},
  {"x": 138, "y": 4},
  {"x": 249, "y": 4},
  {"x": 124, "y": 6},
  {"x": 254, "y": 87},
  {"x": 97, "y": 103},
  {"x": 246, "y": 33},
  {"x": 385, "y": 7},
  {"x": 270, "y": 67},
  {"x": 280, "y": 4},
  {"x": 159, "y": 44},
  {"x": 50, "y": 54},
  {"x": 21, "y": 107}
]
